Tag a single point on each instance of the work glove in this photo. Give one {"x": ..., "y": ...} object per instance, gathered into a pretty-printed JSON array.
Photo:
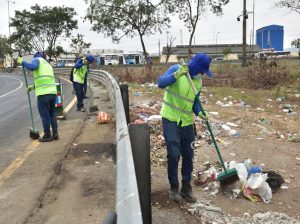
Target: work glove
[
  {"x": 183, "y": 69},
  {"x": 19, "y": 60},
  {"x": 203, "y": 115},
  {"x": 29, "y": 88},
  {"x": 85, "y": 61}
]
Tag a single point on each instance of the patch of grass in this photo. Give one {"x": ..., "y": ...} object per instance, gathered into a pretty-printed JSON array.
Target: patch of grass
[{"x": 252, "y": 97}]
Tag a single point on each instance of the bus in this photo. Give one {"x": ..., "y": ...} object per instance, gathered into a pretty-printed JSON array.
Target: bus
[
  {"x": 133, "y": 58},
  {"x": 120, "y": 58},
  {"x": 112, "y": 59},
  {"x": 65, "y": 62}
]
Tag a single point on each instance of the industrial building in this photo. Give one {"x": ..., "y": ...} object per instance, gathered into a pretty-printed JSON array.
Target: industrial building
[
  {"x": 214, "y": 51},
  {"x": 270, "y": 37}
]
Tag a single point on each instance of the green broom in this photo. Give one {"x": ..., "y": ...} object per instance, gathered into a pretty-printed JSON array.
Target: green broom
[
  {"x": 229, "y": 176},
  {"x": 33, "y": 133}
]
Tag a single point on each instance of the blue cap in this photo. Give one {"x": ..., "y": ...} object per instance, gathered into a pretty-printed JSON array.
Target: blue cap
[
  {"x": 90, "y": 58},
  {"x": 200, "y": 64},
  {"x": 38, "y": 55}
]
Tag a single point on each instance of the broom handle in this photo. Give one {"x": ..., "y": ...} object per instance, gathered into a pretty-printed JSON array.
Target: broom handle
[
  {"x": 30, "y": 109},
  {"x": 207, "y": 123}
]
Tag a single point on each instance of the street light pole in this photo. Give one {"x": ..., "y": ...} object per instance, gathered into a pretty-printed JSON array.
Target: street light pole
[
  {"x": 8, "y": 1},
  {"x": 253, "y": 28},
  {"x": 244, "y": 32},
  {"x": 217, "y": 44}
]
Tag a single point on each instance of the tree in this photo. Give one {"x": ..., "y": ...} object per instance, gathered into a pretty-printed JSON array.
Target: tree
[
  {"x": 168, "y": 50},
  {"x": 78, "y": 44},
  {"x": 190, "y": 12},
  {"x": 119, "y": 18},
  {"x": 55, "y": 52},
  {"x": 227, "y": 51},
  {"x": 5, "y": 48},
  {"x": 293, "y": 5},
  {"x": 41, "y": 27},
  {"x": 296, "y": 43}
]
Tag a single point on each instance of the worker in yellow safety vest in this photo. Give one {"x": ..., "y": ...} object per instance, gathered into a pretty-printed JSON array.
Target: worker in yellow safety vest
[
  {"x": 79, "y": 75},
  {"x": 45, "y": 91},
  {"x": 178, "y": 109}
]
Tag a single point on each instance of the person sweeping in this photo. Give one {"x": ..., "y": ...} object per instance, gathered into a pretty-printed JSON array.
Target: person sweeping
[
  {"x": 178, "y": 109},
  {"x": 81, "y": 69},
  {"x": 45, "y": 91}
]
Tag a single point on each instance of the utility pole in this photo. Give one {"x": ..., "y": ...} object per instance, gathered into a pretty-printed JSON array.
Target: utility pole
[
  {"x": 217, "y": 44},
  {"x": 244, "y": 32},
  {"x": 253, "y": 28},
  {"x": 8, "y": 1},
  {"x": 159, "y": 47},
  {"x": 181, "y": 42}
]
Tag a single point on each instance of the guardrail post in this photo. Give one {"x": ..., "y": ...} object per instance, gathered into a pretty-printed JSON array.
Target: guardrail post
[
  {"x": 140, "y": 144},
  {"x": 125, "y": 98}
]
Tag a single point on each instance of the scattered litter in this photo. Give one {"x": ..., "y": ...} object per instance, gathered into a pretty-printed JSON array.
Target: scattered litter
[
  {"x": 225, "y": 127},
  {"x": 263, "y": 121},
  {"x": 137, "y": 94},
  {"x": 103, "y": 118},
  {"x": 214, "y": 113},
  {"x": 279, "y": 99},
  {"x": 85, "y": 151},
  {"x": 97, "y": 162},
  {"x": 234, "y": 133},
  {"x": 294, "y": 138},
  {"x": 154, "y": 118},
  {"x": 214, "y": 215},
  {"x": 74, "y": 144},
  {"x": 284, "y": 187},
  {"x": 287, "y": 106},
  {"x": 231, "y": 124}
]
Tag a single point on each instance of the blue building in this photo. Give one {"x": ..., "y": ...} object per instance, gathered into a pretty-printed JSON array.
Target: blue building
[{"x": 270, "y": 37}]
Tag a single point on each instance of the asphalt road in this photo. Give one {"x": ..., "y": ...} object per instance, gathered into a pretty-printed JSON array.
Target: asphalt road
[{"x": 15, "y": 116}]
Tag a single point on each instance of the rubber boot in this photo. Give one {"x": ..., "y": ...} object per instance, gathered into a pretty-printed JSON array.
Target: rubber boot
[
  {"x": 187, "y": 192},
  {"x": 46, "y": 138},
  {"x": 174, "y": 193},
  {"x": 55, "y": 135}
]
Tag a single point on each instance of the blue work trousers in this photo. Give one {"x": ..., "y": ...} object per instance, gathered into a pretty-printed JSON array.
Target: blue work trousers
[
  {"x": 78, "y": 87},
  {"x": 179, "y": 140},
  {"x": 46, "y": 107},
  {"x": 85, "y": 85}
]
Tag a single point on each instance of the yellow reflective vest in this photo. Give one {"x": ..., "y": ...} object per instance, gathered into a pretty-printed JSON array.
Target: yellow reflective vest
[
  {"x": 44, "y": 81},
  {"x": 79, "y": 74},
  {"x": 179, "y": 100}
]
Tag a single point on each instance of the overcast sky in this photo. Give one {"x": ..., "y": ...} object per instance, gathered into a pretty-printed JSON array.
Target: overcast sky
[{"x": 210, "y": 29}]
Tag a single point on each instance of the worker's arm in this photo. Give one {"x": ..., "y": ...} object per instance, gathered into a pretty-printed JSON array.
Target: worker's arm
[
  {"x": 196, "y": 105},
  {"x": 79, "y": 63},
  {"x": 198, "y": 110},
  {"x": 168, "y": 77},
  {"x": 31, "y": 66}
]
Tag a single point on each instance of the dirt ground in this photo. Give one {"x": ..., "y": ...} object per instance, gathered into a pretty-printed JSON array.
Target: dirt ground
[{"x": 267, "y": 145}]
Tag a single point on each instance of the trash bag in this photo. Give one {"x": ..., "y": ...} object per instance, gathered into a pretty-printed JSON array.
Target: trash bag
[
  {"x": 257, "y": 182},
  {"x": 275, "y": 180}
]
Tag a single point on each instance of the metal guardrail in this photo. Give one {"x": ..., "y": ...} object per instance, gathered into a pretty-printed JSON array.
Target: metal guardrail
[{"x": 127, "y": 205}]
